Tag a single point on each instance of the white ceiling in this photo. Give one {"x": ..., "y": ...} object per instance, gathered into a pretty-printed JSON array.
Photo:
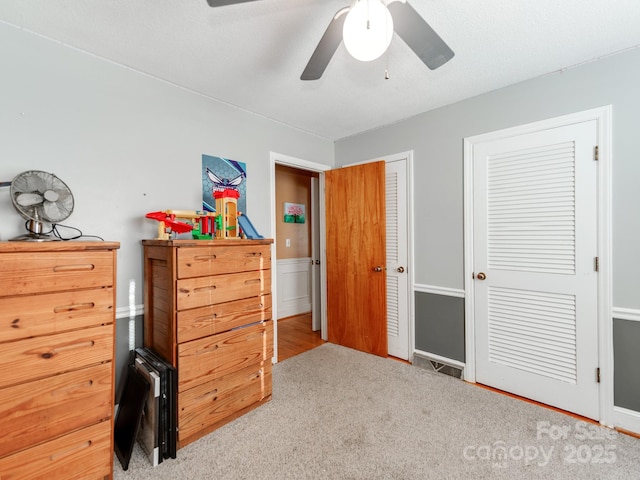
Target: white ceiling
[{"x": 251, "y": 55}]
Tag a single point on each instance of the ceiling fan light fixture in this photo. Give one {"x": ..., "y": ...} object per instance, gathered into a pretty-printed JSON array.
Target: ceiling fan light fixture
[{"x": 368, "y": 29}]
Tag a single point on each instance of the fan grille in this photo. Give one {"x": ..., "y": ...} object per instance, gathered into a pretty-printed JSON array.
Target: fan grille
[{"x": 41, "y": 196}]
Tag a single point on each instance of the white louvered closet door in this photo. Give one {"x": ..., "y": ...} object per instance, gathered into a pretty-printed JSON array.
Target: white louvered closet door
[
  {"x": 535, "y": 239},
  {"x": 397, "y": 259}
]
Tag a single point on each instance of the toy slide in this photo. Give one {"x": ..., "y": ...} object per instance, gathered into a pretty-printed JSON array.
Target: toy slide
[{"x": 247, "y": 228}]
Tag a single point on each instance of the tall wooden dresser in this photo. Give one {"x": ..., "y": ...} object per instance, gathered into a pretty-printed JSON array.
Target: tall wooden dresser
[
  {"x": 208, "y": 312},
  {"x": 57, "y": 357}
]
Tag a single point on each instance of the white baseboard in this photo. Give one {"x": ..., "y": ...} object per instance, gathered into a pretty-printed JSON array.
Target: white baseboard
[{"x": 627, "y": 419}]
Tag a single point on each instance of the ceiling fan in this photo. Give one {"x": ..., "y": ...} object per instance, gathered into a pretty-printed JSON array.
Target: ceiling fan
[{"x": 395, "y": 16}]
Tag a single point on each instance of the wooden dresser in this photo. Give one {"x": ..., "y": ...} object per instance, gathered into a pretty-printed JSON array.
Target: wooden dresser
[
  {"x": 208, "y": 312},
  {"x": 57, "y": 312}
]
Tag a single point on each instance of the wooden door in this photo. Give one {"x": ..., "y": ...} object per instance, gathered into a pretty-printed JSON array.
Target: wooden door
[{"x": 355, "y": 251}]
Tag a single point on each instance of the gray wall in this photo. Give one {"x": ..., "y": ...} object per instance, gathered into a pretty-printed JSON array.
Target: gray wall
[
  {"x": 626, "y": 359},
  {"x": 122, "y": 348},
  {"x": 440, "y": 325},
  {"x": 436, "y": 137},
  {"x": 126, "y": 144}
]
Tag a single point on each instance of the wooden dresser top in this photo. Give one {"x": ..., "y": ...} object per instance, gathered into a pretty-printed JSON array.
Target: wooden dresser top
[
  {"x": 205, "y": 243},
  {"x": 56, "y": 246}
]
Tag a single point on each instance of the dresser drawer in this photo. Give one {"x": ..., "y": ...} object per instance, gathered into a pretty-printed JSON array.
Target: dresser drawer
[
  {"x": 213, "y": 357},
  {"x": 42, "y": 357},
  {"x": 209, "y": 320},
  {"x": 205, "y": 405},
  {"x": 28, "y": 316},
  {"x": 37, "y": 411},
  {"x": 203, "y": 291},
  {"x": 214, "y": 260},
  {"x": 84, "y": 454},
  {"x": 22, "y": 274}
]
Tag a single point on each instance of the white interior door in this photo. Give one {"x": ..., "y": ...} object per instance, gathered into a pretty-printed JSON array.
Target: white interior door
[
  {"x": 397, "y": 259},
  {"x": 315, "y": 255},
  {"x": 534, "y": 258}
]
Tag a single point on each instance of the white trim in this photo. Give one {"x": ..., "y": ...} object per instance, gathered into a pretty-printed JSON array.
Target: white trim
[
  {"x": 298, "y": 163},
  {"x": 280, "y": 159},
  {"x": 626, "y": 419},
  {"x": 125, "y": 312},
  {"x": 626, "y": 314},
  {"x": 440, "y": 359},
  {"x": 603, "y": 117},
  {"x": 449, "y": 292},
  {"x": 469, "y": 373},
  {"x": 411, "y": 250}
]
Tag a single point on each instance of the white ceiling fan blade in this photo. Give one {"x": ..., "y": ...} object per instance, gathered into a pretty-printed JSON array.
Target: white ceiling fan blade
[
  {"x": 419, "y": 36},
  {"x": 327, "y": 46},
  {"x": 29, "y": 199}
]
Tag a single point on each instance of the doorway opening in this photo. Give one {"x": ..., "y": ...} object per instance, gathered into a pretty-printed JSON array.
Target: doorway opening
[{"x": 298, "y": 269}]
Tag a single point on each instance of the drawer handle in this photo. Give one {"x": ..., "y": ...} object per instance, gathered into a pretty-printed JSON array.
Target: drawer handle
[
  {"x": 213, "y": 393},
  {"x": 70, "y": 450},
  {"x": 204, "y": 289},
  {"x": 253, "y": 281},
  {"x": 204, "y": 258},
  {"x": 71, "y": 388},
  {"x": 55, "y": 350},
  {"x": 253, "y": 254},
  {"x": 74, "y": 307},
  {"x": 212, "y": 348},
  {"x": 253, "y": 336},
  {"x": 85, "y": 267},
  {"x": 205, "y": 318}
]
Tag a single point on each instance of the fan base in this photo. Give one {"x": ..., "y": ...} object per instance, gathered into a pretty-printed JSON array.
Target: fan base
[{"x": 35, "y": 237}]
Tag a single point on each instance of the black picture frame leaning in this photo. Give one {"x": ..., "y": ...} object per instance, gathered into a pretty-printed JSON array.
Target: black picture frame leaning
[
  {"x": 127, "y": 420},
  {"x": 167, "y": 401},
  {"x": 149, "y": 432}
]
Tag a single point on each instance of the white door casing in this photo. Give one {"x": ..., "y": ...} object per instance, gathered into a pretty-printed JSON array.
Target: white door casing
[
  {"x": 280, "y": 159},
  {"x": 535, "y": 195}
]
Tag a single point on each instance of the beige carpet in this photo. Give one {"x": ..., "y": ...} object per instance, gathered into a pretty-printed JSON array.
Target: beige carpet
[{"x": 341, "y": 414}]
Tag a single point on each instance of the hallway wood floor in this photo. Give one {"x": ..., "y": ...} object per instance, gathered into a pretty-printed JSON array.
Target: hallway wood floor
[{"x": 295, "y": 336}]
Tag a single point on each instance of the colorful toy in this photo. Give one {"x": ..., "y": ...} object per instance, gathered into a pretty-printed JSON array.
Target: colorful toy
[
  {"x": 225, "y": 223},
  {"x": 248, "y": 230},
  {"x": 227, "y": 209},
  {"x": 202, "y": 223}
]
